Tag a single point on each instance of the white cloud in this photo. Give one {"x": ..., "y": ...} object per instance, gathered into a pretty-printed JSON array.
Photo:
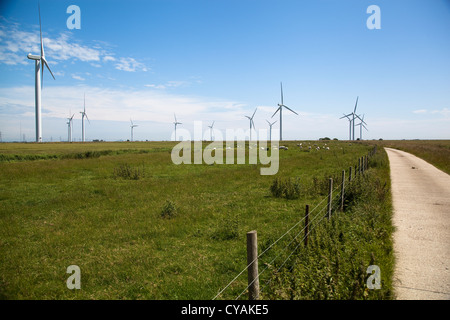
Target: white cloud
[
  {"x": 15, "y": 44},
  {"x": 76, "y": 77},
  {"x": 420, "y": 111},
  {"x": 130, "y": 64},
  {"x": 108, "y": 58},
  {"x": 444, "y": 112}
]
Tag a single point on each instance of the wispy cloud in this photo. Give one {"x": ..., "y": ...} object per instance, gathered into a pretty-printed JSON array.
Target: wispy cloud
[
  {"x": 16, "y": 43},
  {"x": 77, "y": 77},
  {"x": 420, "y": 111},
  {"x": 130, "y": 64}
]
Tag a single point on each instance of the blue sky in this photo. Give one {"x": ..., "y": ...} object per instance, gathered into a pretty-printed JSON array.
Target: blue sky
[{"x": 218, "y": 60}]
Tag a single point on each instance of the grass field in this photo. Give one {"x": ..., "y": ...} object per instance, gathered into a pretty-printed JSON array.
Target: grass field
[
  {"x": 436, "y": 152},
  {"x": 141, "y": 227}
]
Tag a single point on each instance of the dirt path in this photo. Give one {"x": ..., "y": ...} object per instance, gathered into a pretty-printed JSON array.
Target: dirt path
[{"x": 421, "y": 199}]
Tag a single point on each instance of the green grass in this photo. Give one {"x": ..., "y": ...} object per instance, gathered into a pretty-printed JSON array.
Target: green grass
[
  {"x": 59, "y": 209},
  {"x": 333, "y": 264},
  {"x": 436, "y": 152}
]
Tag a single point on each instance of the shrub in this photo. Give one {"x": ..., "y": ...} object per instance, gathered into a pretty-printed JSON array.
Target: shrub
[
  {"x": 125, "y": 171},
  {"x": 169, "y": 210},
  {"x": 288, "y": 188}
]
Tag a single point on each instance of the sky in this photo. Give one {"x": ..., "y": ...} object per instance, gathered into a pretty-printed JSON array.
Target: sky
[{"x": 219, "y": 60}]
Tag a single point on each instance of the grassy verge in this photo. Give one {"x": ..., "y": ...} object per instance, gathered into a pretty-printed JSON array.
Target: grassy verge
[
  {"x": 436, "y": 152},
  {"x": 334, "y": 263}
]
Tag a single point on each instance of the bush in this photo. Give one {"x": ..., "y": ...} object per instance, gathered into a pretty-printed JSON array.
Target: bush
[
  {"x": 169, "y": 210},
  {"x": 288, "y": 188},
  {"x": 125, "y": 171}
]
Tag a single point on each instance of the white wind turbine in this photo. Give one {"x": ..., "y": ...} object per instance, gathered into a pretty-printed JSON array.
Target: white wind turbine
[
  {"x": 252, "y": 124},
  {"x": 270, "y": 125},
  {"x": 280, "y": 108},
  {"x": 351, "y": 118},
  {"x": 176, "y": 123},
  {"x": 211, "y": 130},
  {"x": 39, "y": 73},
  {"x": 361, "y": 125},
  {"x": 83, "y": 114},
  {"x": 132, "y": 127},
  {"x": 69, "y": 123}
]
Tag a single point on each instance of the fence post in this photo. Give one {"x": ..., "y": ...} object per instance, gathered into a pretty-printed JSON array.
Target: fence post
[
  {"x": 330, "y": 196},
  {"x": 306, "y": 224},
  {"x": 350, "y": 174},
  {"x": 252, "y": 262},
  {"x": 342, "y": 190},
  {"x": 359, "y": 165}
]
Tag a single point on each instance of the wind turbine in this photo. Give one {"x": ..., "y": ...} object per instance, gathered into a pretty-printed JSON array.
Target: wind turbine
[
  {"x": 83, "y": 114},
  {"x": 39, "y": 64},
  {"x": 69, "y": 122},
  {"x": 211, "y": 130},
  {"x": 351, "y": 118},
  {"x": 270, "y": 125},
  {"x": 361, "y": 125},
  {"x": 280, "y": 108},
  {"x": 176, "y": 123},
  {"x": 252, "y": 124},
  {"x": 132, "y": 127}
]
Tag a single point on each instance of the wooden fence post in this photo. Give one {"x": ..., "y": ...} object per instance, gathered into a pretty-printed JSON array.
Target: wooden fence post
[
  {"x": 252, "y": 262},
  {"x": 342, "y": 190},
  {"x": 350, "y": 174},
  {"x": 306, "y": 224},
  {"x": 330, "y": 196},
  {"x": 359, "y": 165}
]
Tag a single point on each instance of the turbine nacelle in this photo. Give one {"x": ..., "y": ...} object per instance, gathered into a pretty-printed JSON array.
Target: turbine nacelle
[{"x": 33, "y": 57}]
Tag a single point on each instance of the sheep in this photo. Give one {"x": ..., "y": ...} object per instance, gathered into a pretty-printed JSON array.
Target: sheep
[{"x": 283, "y": 148}]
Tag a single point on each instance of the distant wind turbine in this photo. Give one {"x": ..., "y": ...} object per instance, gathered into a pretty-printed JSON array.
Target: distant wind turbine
[
  {"x": 69, "y": 122},
  {"x": 39, "y": 73},
  {"x": 280, "y": 108},
  {"x": 252, "y": 124},
  {"x": 361, "y": 125},
  {"x": 176, "y": 123},
  {"x": 83, "y": 114},
  {"x": 211, "y": 130},
  {"x": 351, "y": 118},
  {"x": 132, "y": 127},
  {"x": 270, "y": 125}
]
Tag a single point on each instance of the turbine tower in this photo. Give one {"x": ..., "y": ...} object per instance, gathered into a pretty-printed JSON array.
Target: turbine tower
[
  {"x": 351, "y": 118},
  {"x": 211, "y": 130},
  {"x": 361, "y": 125},
  {"x": 83, "y": 114},
  {"x": 176, "y": 123},
  {"x": 252, "y": 124},
  {"x": 39, "y": 73},
  {"x": 270, "y": 125},
  {"x": 132, "y": 127},
  {"x": 280, "y": 108},
  {"x": 69, "y": 134}
]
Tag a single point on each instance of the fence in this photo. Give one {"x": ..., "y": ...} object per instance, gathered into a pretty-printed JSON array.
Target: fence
[{"x": 334, "y": 202}]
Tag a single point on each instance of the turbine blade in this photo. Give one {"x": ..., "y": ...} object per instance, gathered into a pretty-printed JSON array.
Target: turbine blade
[
  {"x": 40, "y": 29},
  {"x": 290, "y": 109},
  {"x": 175, "y": 117},
  {"x": 46, "y": 64},
  {"x": 356, "y": 104},
  {"x": 281, "y": 85},
  {"x": 254, "y": 113},
  {"x": 276, "y": 111}
]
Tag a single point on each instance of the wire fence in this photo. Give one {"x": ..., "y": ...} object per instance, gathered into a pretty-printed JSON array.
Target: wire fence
[{"x": 284, "y": 247}]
